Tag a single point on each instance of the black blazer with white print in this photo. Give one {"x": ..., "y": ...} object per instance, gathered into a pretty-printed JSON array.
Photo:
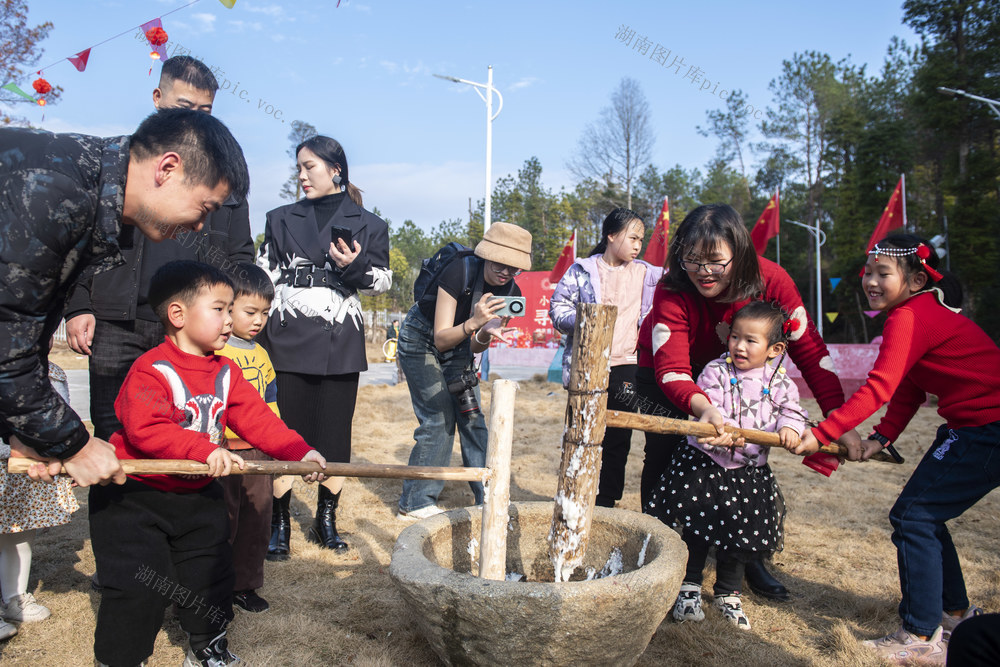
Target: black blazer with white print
[{"x": 315, "y": 325}]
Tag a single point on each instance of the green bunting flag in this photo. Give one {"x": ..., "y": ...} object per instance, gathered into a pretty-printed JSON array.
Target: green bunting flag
[{"x": 14, "y": 89}]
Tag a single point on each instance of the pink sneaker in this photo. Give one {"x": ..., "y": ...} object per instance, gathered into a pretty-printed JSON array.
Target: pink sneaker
[
  {"x": 906, "y": 648},
  {"x": 949, "y": 622}
]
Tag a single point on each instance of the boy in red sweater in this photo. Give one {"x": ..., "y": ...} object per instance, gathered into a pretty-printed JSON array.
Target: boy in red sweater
[{"x": 161, "y": 539}]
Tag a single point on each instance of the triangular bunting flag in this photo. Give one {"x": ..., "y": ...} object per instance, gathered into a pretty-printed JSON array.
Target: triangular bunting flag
[
  {"x": 17, "y": 91},
  {"x": 159, "y": 48},
  {"x": 832, "y": 317},
  {"x": 80, "y": 60},
  {"x": 229, "y": 4},
  {"x": 833, "y": 283},
  {"x": 872, "y": 313}
]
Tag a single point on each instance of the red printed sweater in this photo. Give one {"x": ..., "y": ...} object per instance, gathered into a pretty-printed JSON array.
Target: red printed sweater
[
  {"x": 926, "y": 348},
  {"x": 685, "y": 331},
  {"x": 175, "y": 405}
]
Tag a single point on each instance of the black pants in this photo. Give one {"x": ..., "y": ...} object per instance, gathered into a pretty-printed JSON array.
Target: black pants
[
  {"x": 976, "y": 642},
  {"x": 728, "y": 571},
  {"x": 116, "y": 346},
  {"x": 659, "y": 447},
  {"x": 154, "y": 548},
  {"x": 617, "y": 441}
]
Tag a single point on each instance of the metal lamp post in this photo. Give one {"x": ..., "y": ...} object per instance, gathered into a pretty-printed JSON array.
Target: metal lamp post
[
  {"x": 956, "y": 92},
  {"x": 490, "y": 117},
  {"x": 820, "y": 236}
]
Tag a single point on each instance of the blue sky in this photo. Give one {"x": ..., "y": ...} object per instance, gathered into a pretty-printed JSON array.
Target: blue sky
[{"x": 416, "y": 144}]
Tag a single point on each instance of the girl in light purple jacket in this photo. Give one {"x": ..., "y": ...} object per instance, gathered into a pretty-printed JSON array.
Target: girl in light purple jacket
[{"x": 611, "y": 275}]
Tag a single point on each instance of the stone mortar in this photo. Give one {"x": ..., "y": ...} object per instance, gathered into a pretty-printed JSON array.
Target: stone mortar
[{"x": 473, "y": 621}]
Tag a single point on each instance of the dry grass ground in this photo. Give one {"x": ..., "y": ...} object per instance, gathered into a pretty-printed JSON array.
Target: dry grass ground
[{"x": 335, "y": 609}]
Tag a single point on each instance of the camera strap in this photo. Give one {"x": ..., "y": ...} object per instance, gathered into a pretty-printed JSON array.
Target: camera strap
[
  {"x": 477, "y": 286},
  {"x": 477, "y": 294}
]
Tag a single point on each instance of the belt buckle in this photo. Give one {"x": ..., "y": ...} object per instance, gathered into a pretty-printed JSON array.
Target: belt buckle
[{"x": 296, "y": 280}]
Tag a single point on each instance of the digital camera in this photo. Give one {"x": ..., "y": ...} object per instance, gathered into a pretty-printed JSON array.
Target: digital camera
[{"x": 464, "y": 389}]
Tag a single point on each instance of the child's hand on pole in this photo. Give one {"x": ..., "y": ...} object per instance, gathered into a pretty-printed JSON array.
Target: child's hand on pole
[
  {"x": 808, "y": 445},
  {"x": 315, "y": 457},
  {"x": 220, "y": 462},
  {"x": 852, "y": 441},
  {"x": 869, "y": 448},
  {"x": 711, "y": 415},
  {"x": 789, "y": 437}
]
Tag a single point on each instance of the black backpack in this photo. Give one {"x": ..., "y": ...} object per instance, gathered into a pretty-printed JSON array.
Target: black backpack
[{"x": 425, "y": 286}]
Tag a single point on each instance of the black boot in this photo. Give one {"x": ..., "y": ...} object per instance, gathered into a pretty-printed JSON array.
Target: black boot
[
  {"x": 762, "y": 583},
  {"x": 324, "y": 529},
  {"x": 277, "y": 548}
]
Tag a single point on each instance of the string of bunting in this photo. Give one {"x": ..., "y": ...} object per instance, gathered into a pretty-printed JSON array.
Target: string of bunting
[{"x": 156, "y": 36}]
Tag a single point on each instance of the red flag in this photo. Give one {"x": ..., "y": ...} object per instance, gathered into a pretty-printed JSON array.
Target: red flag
[
  {"x": 80, "y": 60},
  {"x": 894, "y": 215},
  {"x": 768, "y": 225},
  {"x": 566, "y": 258},
  {"x": 656, "y": 250}
]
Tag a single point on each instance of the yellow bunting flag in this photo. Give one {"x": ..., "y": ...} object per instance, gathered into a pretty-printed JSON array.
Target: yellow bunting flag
[
  {"x": 228, "y": 3},
  {"x": 832, "y": 316}
]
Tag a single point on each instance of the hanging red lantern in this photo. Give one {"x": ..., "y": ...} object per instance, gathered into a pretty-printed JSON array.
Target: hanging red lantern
[
  {"x": 157, "y": 37},
  {"x": 41, "y": 86}
]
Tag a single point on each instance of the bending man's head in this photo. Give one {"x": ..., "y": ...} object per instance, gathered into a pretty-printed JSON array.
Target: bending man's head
[{"x": 183, "y": 164}]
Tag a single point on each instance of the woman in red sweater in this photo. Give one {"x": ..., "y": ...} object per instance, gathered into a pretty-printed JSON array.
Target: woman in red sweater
[
  {"x": 927, "y": 347},
  {"x": 713, "y": 271}
]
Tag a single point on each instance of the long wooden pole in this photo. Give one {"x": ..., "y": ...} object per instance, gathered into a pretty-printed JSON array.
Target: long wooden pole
[
  {"x": 651, "y": 424},
  {"x": 493, "y": 536},
  {"x": 581, "y": 447},
  {"x": 181, "y": 467}
]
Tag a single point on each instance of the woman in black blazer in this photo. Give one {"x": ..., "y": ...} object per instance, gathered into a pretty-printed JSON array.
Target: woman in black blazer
[{"x": 321, "y": 252}]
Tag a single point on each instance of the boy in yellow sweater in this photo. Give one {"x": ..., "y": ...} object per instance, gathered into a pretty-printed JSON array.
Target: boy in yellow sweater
[{"x": 249, "y": 496}]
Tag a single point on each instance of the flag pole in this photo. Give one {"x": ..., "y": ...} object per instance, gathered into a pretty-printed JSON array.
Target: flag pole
[
  {"x": 777, "y": 200},
  {"x": 906, "y": 225}
]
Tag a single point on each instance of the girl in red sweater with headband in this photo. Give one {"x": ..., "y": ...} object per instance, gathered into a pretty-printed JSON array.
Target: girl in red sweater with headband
[{"x": 927, "y": 346}]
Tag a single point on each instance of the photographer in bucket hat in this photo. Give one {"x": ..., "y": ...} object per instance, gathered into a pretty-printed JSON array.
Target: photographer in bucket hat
[{"x": 454, "y": 318}]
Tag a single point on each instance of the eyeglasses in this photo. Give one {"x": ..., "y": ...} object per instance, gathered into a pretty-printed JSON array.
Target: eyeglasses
[
  {"x": 505, "y": 270},
  {"x": 711, "y": 267}
]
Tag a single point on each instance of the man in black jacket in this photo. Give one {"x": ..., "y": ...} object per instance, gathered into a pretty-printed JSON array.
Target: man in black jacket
[
  {"x": 64, "y": 199},
  {"x": 108, "y": 316}
]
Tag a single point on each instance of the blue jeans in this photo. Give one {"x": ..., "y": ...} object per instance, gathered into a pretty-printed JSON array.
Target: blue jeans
[
  {"x": 962, "y": 466},
  {"x": 427, "y": 373}
]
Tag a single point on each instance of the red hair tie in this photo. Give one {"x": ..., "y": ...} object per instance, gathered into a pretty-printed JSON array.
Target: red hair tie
[
  {"x": 923, "y": 253},
  {"x": 790, "y": 326}
]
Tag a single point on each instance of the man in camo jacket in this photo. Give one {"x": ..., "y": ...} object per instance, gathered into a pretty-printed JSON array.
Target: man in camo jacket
[{"x": 64, "y": 199}]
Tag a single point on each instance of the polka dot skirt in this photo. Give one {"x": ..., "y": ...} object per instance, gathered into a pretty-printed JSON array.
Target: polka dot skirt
[{"x": 738, "y": 509}]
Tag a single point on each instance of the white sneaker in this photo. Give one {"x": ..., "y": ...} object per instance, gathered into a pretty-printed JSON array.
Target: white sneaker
[
  {"x": 24, "y": 609},
  {"x": 688, "y": 604},
  {"x": 731, "y": 607},
  {"x": 7, "y": 630},
  {"x": 422, "y": 513}
]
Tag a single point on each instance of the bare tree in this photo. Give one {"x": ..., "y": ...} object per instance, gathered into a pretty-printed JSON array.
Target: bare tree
[
  {"x": 20, "y": 50},
  {"x": 614, "y": 148},
  {"x": 301, "y": 130}
]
